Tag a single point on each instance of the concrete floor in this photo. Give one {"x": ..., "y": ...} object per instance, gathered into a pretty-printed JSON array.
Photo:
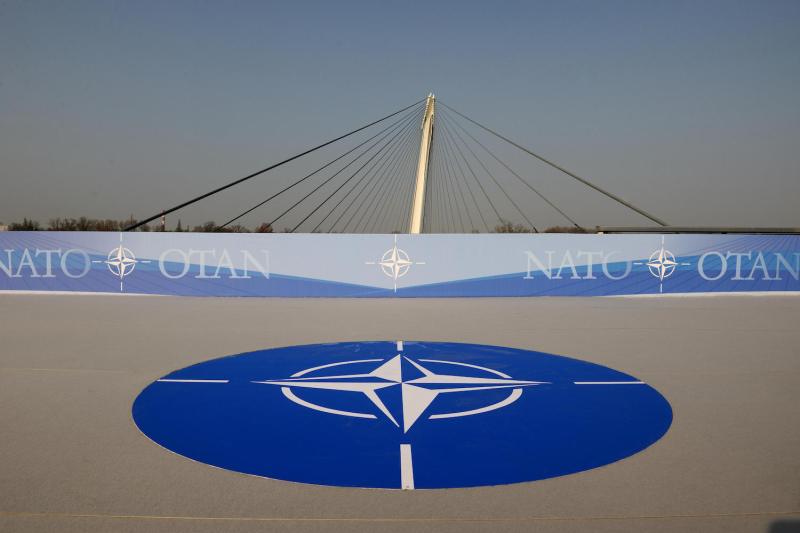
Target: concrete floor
[{"x": 71, "y": 458}]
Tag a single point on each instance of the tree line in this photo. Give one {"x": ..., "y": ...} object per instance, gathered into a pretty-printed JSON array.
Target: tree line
[
  {"x": 108, "y": 224},
  {"x": 96, "y": 224}
]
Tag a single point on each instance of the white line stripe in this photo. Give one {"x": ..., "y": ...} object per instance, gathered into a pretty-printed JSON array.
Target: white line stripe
[
  {"x": 406, "y": 468},
  {"x": 667, "y": 295},
  {"x": 609, "y": 382},
  {"x": 194, "y": 380},
  {"x": 705, "y": 294},
  {"x": 71, "y": 293},
  {"x": 399, "y": 346}
]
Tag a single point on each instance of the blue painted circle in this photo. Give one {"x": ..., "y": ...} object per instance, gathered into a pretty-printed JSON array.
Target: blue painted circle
[{"x": 338, "y": 414}]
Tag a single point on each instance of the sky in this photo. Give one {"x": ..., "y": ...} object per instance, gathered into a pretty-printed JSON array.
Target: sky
[{"x": 688, "y": 109}]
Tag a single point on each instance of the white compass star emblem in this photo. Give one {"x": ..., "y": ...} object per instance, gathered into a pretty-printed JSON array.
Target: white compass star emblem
[
  {"x": 417, "y": 392},
  {"x": 121, "y": 261},
  {"x": 662, "y": 264},
  {"x": 395, "y": 263}
]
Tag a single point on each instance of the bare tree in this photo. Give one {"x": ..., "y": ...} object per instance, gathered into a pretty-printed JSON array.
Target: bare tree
[
  {"x": 508, "y": 227},
  {"x": 264, "y": 228}
]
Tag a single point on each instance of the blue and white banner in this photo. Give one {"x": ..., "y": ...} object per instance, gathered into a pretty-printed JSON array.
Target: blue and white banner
[{"x": 322, "y": 265}]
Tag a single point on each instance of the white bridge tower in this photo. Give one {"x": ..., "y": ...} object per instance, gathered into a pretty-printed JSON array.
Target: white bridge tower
[{"x": 418, "y": 204}]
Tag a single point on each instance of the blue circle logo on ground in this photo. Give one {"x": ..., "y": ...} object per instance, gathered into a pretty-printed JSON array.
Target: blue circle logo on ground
[{"x": 402, "y": 414}]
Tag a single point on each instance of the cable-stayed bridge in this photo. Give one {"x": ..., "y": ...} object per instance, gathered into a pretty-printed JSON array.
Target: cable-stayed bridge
[{"x": 424, "y": 168}]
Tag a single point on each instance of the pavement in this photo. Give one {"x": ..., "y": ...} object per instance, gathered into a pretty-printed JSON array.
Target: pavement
[{"x": 71, "y": 458}]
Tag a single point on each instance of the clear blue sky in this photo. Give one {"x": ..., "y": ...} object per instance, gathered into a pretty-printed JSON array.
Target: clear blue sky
[{"x": 689, "y": 109}]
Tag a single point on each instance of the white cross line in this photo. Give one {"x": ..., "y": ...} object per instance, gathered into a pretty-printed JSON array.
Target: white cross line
[
  {"x": 194, "y": 380},
  {"x": 609, "y": 382},
  {"x": 406, "y": 468}
]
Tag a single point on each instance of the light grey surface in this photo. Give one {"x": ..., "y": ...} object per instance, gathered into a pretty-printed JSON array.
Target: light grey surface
[{"x": 71, "y": 458}]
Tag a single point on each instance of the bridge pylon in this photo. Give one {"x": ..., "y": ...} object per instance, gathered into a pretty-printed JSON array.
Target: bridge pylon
[{"x": 418, "y": 203}]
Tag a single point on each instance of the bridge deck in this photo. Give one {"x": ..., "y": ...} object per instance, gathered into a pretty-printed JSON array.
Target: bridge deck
[{"x": 71, "y": 458}]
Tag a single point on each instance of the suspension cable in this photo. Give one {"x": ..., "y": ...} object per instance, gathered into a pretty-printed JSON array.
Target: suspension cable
[
  {"x": 350, "y": 191},
  {"x": 301, "y": 180},
  {"x": 397, "y": 188},
  {"x": 451, "y": 174},
  {"x": 387, "y": 188},
  {"x": 511, "y": 170},
  {"x": 562, "y": 169},
  {"x": 460, "y": 172},
  {"x": 262, "y": 171},
  {"x": 474, "y": 175},
  {"x": 345, "y": 182},
  {"x": 377, "y": 187},
  {"x": 471, "y": 151},
  {"x": 318, "y": 187}
]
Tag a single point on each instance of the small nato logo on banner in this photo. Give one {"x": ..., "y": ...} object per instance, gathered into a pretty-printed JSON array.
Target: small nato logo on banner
[{"x": 402, "y": 415}]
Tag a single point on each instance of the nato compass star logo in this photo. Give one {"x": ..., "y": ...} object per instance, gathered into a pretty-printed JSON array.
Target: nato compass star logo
[
  {"x": 395, "y": 263},
  {"x": 402, "y": 415},
  {"x": 121, "y": 262},
  {"x": 419, "y": 387},
  {"x": 662, "y": 264}
]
